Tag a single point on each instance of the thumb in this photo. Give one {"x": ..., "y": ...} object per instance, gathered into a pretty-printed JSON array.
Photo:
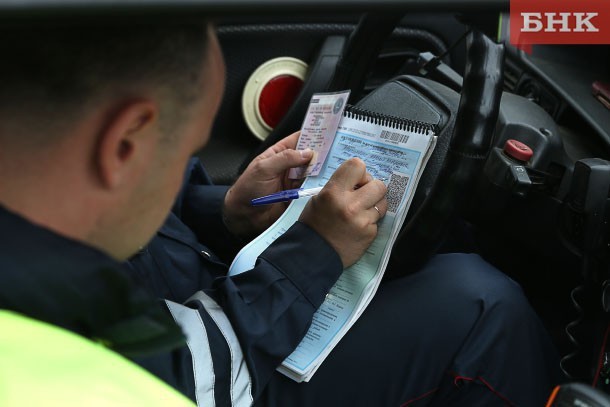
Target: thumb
[
  {"x": 286, "y": 159},
  {"x": 350, "y": 174}
]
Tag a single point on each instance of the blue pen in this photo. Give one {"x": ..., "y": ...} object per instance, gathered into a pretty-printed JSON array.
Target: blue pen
[{"x": 284, "y": 196}]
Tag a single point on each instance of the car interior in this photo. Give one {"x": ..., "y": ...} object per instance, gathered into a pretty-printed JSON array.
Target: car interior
[{"x": 520, "y": 173}]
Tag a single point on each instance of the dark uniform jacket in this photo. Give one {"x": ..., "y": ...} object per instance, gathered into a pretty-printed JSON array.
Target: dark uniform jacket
[{"x": 237, "y": 330}]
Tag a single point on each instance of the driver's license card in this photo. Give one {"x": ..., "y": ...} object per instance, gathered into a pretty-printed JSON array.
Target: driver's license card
[{"x": 318, "y": 131}]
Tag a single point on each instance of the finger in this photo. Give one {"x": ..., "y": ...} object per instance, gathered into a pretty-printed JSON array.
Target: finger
[
  {"x": 288, "y": 142},
  {"x": 374, "y": 214},
  {"x": 370, "y": 193},
  {"x": 350, "y": 174},
  {"x": 365, "y": 180},
  {"x": 382, "y": 205},
  {"x": 282, "y": 161},
  {"x": 378, "y": 211}
]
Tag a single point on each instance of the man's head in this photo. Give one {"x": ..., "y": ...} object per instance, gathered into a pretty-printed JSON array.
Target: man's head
[{"x": 97, "y": 123}]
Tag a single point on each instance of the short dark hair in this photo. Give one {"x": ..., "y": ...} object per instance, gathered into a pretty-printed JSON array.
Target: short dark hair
[{"x": 49, "y": 73}]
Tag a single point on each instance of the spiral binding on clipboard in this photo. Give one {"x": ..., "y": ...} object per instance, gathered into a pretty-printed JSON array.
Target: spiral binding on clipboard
[{"x": 414, "y": 126}]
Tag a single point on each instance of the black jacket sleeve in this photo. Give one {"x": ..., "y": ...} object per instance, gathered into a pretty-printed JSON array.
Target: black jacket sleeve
[
  {"x": 271, "y": 306},
  {"x": 268, "y": 308}
]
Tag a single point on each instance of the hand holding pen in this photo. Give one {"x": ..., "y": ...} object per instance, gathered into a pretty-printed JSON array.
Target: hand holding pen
[
  {"x": 346, "y": 211},
  {"x": 265, "y": 174},
  {"x": 288, "y": 195},
  {"x": 285, "y": 196}
]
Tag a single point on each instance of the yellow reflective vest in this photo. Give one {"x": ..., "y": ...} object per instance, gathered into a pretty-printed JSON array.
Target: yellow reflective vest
[{"x": 44, "y": 365}]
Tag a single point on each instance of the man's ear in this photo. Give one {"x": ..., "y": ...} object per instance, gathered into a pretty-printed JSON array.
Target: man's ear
[{"x": 127, "y": 138}]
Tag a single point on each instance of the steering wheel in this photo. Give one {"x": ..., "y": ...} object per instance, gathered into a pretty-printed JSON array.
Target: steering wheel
[
  {"x": 469, "y": 146},
  {"x": 461, "y": 149}
]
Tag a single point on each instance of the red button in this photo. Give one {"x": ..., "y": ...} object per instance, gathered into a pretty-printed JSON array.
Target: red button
[
  {"x": 276, "y": 98},
  {"x": 518, "y": 150}
]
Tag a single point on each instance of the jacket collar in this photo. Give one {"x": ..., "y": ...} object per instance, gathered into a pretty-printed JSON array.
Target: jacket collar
[{"x": 67, "y": 283}]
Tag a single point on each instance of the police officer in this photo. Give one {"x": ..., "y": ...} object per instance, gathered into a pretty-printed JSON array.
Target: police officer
[{"x": 97, "y": 123}]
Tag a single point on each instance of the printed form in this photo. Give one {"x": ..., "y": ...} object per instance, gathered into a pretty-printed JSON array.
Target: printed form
[{"x": 395, "y": 155}]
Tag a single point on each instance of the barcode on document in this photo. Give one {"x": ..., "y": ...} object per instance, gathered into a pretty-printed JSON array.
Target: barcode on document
[
  {"x": 396, "y": 189},
  {"x": 393, "y": 136}
]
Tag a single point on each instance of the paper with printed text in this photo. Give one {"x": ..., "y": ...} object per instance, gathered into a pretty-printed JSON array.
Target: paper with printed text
[{"x": 395, "y": 154}]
